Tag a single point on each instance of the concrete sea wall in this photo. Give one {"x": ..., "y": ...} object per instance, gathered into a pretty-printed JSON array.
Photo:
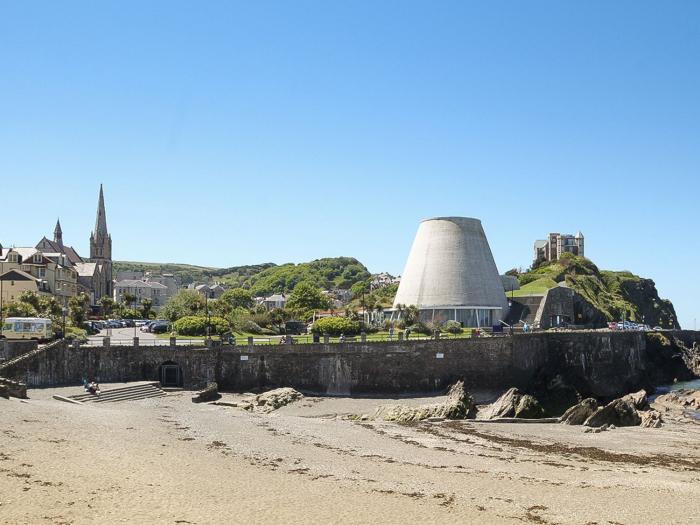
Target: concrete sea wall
[{"x": 603, "y": 364}]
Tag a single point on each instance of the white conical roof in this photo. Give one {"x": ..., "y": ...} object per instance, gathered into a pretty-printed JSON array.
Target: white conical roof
[{"x": 451, "y": 265}]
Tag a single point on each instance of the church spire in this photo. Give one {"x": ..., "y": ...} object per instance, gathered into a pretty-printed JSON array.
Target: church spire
[
  {"x": 57, "y": 233},
  {"x": 101, "y": 219}
]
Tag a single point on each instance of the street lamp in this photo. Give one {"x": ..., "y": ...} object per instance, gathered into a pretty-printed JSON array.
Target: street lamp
[
  {"x": 64, "y": 311},
  {"x": 206, "y": 307}
]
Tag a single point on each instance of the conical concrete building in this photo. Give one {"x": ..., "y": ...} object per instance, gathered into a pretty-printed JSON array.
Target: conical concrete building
[{"x": 451, "y": 275}]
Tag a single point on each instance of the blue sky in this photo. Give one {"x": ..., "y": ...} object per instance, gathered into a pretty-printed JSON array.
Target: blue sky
[{"x": 232, "y": 133}]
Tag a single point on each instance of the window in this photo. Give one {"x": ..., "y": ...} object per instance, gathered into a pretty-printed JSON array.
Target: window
[{"x": 37, "y": 258}]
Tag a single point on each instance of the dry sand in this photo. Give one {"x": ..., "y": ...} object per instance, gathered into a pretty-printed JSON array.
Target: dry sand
[{"x": 167, "y": 460}]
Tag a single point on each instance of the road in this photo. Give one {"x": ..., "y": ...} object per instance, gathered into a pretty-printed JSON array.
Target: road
[{"x": 126, "y": 336}]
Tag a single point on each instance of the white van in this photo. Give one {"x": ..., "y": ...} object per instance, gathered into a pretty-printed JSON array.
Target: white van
[{"x": 27, "y": 328}]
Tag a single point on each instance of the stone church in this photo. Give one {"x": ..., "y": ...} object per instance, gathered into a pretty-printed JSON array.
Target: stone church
[{"x": 95, "y": 273}]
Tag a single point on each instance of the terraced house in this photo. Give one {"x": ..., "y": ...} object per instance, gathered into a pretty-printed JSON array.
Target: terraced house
[{"x": 30, "y": 269}]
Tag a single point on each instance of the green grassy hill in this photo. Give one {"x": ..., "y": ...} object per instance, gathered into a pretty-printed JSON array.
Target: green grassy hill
[
  {"x": 267, "y": 278},
  {"x": 612, "y": 294}
]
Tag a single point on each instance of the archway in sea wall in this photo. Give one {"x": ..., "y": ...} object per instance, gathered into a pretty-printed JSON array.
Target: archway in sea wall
[{"x": 170, "y": 374}]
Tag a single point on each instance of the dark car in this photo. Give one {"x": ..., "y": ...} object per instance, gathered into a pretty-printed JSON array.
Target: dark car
[
  {"x": 294, "y": 327},
  {"x": 159, "y": 327}
]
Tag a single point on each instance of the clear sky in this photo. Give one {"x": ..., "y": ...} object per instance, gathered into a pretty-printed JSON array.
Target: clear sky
[{"x": 230, "y": 133}]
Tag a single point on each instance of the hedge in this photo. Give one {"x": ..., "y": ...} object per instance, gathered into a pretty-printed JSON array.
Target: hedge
[{"x": 335, "y": 326}]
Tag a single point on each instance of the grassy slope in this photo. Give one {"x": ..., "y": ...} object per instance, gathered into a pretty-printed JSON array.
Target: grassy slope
[
  {"x": 614, "y": 294},
  {"x": 267, "y": 278}
]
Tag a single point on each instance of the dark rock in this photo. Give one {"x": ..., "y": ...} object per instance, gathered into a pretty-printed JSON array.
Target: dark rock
[
  {"x": 515, "y": 404},
  {"x": 578, "y": 414},
  {"x": 619, "y": 412},
  {"x": 13, "y": 388},
  {"x": 505, "y": 405},
  {"x": 4, "y": 391},
  {"x": 529, "y": 408},
  {"x": 210, "y": 393}
]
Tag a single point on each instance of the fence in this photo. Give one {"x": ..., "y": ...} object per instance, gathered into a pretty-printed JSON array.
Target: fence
[{"x": 245, "y": 340}]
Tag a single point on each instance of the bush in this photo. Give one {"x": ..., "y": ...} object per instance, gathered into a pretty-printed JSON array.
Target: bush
[
  {"x": 335, "y": 326},
  {"x": 420, "y": 328},
  {"x": 452, "y": 327},
  {"x": 195, "y": 325},
  {"x": 76, "y": 333}
]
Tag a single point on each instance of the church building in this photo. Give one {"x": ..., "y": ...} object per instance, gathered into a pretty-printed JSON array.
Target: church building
[{"x": 95, "y": 273}]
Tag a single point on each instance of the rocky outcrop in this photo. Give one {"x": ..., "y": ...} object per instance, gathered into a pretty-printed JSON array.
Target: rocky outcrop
[
  {"x": 13, "y": 388},
  {"x": 579, "y": 413},
  {"x": 458, "y": 405},
  {"x": 651, "y": 419},
  {"x": 271, "y": 400},
  {"x": 619, "y": 412},
  {"x": 680, "y": 399},
  {"x": 637, "y": 399},
  {"x": 529, "y": 408},
  {"x": 514, "y": 404},
  {"x": 210, "y": 393}
]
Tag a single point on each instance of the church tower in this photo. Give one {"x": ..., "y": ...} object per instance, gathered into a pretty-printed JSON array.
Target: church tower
[
  {"x": 101, "y": 249},
  {"x": 58, "y": 234}
]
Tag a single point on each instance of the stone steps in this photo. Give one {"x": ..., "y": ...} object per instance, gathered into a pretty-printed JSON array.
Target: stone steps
[
  {"x": 127, "y": 393},
  {"x": 16, "y": 360}
]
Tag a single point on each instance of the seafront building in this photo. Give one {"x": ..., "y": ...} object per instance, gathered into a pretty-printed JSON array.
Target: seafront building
[{"x": 450, "y": 274}]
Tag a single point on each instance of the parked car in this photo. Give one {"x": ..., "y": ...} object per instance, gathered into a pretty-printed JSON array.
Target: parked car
[
  {"x": 146, "y": 327},
  {"x": 159, "y": 327}
]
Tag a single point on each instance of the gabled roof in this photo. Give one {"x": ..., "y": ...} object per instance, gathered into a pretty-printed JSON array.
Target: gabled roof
[
  {"x": 17, "y": 275},
  {"x": 134, "y": 283},
  {"x": 86, "y": 269},
  {"x": 68, "y": 251}
]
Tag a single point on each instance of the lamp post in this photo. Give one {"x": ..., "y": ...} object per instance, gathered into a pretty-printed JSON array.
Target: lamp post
[
  {"x": 1, "y": 317},
  {"x": 206, "y": 307},
  {"x": 64, "y": 310}
]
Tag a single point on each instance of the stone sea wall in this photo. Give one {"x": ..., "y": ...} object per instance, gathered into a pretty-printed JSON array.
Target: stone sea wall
[{"x": 597, "y": 363}]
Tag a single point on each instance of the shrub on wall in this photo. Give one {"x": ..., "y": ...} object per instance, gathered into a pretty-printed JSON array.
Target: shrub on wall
[
  {"x": 335, "y": 326},
  {"x": 196, "y": 325}
]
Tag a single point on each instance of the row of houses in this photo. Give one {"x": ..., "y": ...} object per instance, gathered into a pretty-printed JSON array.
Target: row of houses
[{"x": 53, "y": 268}]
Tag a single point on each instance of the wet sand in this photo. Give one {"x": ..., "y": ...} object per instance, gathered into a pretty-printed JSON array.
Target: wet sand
[{"x": 167, "y": 460}]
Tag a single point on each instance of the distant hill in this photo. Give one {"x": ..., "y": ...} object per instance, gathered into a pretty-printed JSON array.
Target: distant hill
[
  {"x": 611, "y": 294},
  {"x": 267, "y": 278}
]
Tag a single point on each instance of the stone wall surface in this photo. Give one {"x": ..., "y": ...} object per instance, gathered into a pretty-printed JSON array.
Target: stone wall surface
[{"x": 596, "y": 363}]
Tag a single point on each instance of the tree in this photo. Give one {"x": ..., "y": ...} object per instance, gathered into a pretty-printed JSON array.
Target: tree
[
  {"x": 183, "y": 303},
  {"x": 410, "y": 314},
  {"x": 78, "y": 307},
  {"x": 30, "y": 298},
  {"x": 18, "y": 309},
  {"x": 306, "y": 296},
  {"x": 279, "y": 316},
  {"x": 128, "y": 299},
  {"x": 237, "y": 298},
  {"x": 146, "y": 305},
  {"x": 107, "y": 304}
]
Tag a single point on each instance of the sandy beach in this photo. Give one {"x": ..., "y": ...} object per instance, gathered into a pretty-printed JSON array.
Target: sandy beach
[{"x": 168, "y": 460}]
